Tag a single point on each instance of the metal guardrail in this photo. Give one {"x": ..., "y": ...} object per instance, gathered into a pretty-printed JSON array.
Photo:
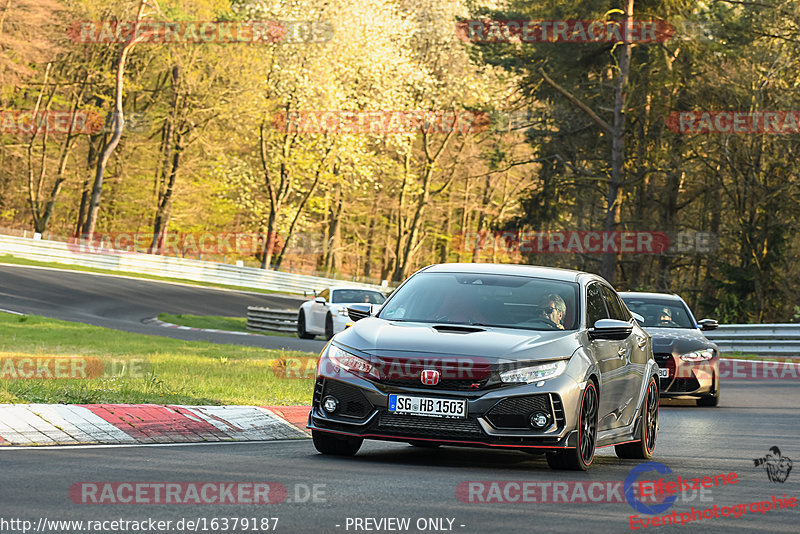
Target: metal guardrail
[
  {"x": 760, "y": 339},
  {"x": 181, "y": 268},
  {"x": 269, "y": 320}
]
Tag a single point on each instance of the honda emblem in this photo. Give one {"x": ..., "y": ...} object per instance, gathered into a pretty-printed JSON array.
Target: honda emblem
[{"x": 429, "y": 377}]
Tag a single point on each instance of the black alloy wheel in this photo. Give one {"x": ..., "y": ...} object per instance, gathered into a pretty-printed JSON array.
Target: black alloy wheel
[
  {"x": 643, "y": 448},
  {"x": 581, "y": 457}
]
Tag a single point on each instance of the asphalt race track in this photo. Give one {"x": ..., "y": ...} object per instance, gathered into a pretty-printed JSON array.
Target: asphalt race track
[
  {"x": 387, "y": 480},
  {"x": 124, "y": 303}
]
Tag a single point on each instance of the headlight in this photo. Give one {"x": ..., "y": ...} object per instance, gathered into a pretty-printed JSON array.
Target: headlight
[
  {"x": 350, "y": 362},
  {"x": 534, "y": 373},
  {"x": 343, "y": 311},
  {"x": 698, "y": 355}
]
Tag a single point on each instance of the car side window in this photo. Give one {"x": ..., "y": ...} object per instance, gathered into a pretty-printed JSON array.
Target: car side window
[
  {"x": 625, "y": 311},
  {"x": 595, "y": 304},
  {"x": 616, "y": 309}
]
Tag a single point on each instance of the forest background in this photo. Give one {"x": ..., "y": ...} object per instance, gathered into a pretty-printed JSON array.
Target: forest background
[{"x": 196, "y": 137}]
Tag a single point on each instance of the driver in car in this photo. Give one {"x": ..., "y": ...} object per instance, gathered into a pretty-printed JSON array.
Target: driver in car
[
  {"x": 665, "y": 317},
  {"x": 553, "y": 308}
]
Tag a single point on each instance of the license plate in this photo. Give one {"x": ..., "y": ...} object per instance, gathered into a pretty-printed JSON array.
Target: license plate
[
  {"x": 429, "y": 407},
  {"x": 663, "y": 373}
]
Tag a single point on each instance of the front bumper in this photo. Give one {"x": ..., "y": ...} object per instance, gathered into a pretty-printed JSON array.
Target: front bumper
[
  {"x": 339, "y": 322},
  {"x": 688, "y": 380},
  {"x": 496, "y": 417}
]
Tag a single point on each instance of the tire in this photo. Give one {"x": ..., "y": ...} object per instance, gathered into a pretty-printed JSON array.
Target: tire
[
  {"x": 709, "y": 400},
  {"x": 328, "y": 326},
  {"x": 425, "y": 444},
  {"x": 581, "y": 457},
  {"x": 327, "y": 443},
  {"x": 301, "y": 326},
  {"x": 643, "y": 447}
]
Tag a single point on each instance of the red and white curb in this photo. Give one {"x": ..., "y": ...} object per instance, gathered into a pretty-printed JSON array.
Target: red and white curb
[
  {"x": 73, "y": 424},
  {"x": 155, "y": 321}
]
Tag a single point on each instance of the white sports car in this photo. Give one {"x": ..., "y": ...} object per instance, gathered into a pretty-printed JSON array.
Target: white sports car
[{"x": 327, "y": 315}]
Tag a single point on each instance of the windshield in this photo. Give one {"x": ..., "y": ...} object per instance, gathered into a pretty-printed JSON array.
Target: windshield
[
  {"x": 661, "y": 313},
  {"x": 486, "y": 300},
  {"x": 351, "y": 296}
]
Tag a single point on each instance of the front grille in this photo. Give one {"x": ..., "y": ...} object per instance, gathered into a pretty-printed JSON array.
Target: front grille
[
  {"x": 683, "y": 385},
  {"x": 352, "y": 403},
  {"x": 428, "y": 426},
  {"x": 561, "y": 418},
  {"x": 513, "y": 413},
  {"x": 453, "y": 385},
  {"x": 318, "y": 387}
]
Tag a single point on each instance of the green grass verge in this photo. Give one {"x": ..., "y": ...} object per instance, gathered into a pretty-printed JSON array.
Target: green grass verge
[
  {"x": 146, "y": 369},
  {"x": 7, "y": 258},
  {"x": 232, "y": 324}
]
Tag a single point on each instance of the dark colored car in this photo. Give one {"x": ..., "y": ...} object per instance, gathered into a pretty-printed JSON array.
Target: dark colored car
[
  {"x": 481, "y": 355},
  {"x": 688, "y": 362}
]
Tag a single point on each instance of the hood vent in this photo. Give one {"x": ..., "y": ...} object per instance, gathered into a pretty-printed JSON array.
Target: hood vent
[{"x": 456, "y": 329}]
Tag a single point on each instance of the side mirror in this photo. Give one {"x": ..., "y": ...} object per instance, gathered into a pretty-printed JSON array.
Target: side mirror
[
  {"x": 610, "y": 329},
  {"x": 639, "y": 318},
  {"x": 708, "y": 324},
  {"x": 359, "y": 311},
  {"x": 319, "y": 300}
]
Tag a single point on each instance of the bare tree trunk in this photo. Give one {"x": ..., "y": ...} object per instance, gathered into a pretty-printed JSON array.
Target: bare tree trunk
[
  {"x": 118, "y": 122},
  {"x": 414, "y": 240},
  {"x": 444, "y": 244},
  {"x": 333, "y": 259},
  {"x": 617, "y": 147},
  {"x": 401, "y": 229},
  {"x": 161, "y": 220},
  {"x": 35, "y": 183},
  {"x": 171, "y": 147},
  {"x": 62, "y": 163},
  {"x": 301, "y": 206},
  {"x": 371, "y": 238},
  {"x": 269, "y": 239},
  {"x": 487, "y": 195},
  {"x": 277, "y": 192}
]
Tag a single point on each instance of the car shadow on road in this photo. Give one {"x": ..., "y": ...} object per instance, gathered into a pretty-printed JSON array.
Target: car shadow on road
[{"x": 457, "y": 457}]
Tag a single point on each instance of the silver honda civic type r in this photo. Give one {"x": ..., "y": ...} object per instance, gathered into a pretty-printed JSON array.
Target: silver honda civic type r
[{"x": 483, "y": 355}]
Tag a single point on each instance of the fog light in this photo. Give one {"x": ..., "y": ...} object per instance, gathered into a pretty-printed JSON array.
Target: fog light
[
  {"x": 539, "y": 420},
  {"x": 329, "y": 404}
]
